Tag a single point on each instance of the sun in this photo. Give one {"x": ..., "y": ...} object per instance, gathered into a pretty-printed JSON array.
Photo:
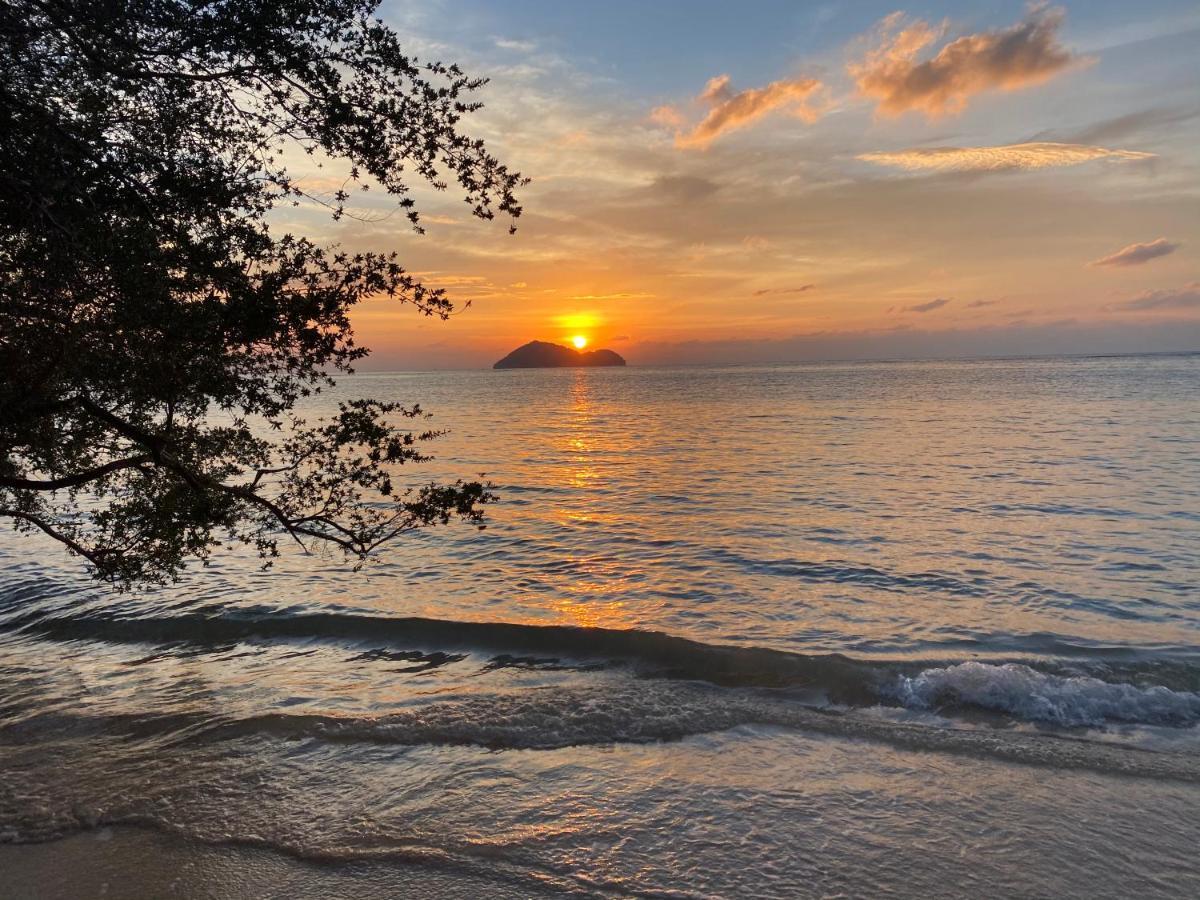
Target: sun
[{"x": 579, "y": 341}]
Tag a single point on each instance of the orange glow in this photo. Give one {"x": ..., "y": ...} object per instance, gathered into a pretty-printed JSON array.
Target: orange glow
[
  {"x": 579, "y": 341},
  {"x": 654, "y": 248}
]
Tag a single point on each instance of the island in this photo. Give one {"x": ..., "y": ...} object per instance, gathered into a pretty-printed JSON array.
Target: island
[{"x": 543, "y": 355}]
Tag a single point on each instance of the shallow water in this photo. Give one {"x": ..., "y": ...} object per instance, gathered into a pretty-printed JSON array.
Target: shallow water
[{"x": 869, "y": 629}]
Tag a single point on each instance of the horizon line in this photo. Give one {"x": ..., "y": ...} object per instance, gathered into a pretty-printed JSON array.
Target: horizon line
[{"x": 808, "y": 362}]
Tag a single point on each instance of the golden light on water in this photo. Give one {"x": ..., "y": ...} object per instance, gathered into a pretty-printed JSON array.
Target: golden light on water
[{"x": 579, "y": 341}]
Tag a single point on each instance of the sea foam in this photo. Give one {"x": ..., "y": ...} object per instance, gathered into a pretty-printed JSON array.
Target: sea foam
[{"x": 1042, "y": 697}]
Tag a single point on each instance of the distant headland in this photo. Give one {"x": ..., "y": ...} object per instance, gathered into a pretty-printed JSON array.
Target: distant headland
[{"x": 543, "y": 355}]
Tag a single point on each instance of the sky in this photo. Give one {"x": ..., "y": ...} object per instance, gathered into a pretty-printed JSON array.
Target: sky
[{"x": 782, "y": 181}]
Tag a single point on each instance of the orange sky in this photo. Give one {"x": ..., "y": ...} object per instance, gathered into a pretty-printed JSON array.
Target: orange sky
[{"x": 908, "y": 186}]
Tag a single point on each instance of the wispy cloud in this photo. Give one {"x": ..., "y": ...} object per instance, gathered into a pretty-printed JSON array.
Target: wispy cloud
[
  {"x": 794, "y": 290},
  {"x": 668, "y": 117},
  {"x": 682, "y": 188},
  {"x": 516, "y": 45},
  {"x": 997, "y": 159},
  {"x": 1121, "y": 127},
  {"x": 619, "y": 295},
  {"x": 1022, "y": 55},
  {"x": 927, "y": 307},
  {"x": 980, "y": 304},
  {"x": 1137, "y": 254},
  {"x": 730, "y": 110},
  {"x": 1186, "y": 297}
]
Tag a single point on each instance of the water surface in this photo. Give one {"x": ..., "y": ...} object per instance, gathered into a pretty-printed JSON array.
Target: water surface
[{"x": 910, "y": 628}]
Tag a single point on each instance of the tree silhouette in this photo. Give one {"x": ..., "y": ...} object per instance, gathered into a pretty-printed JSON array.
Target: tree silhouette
[{"x": 156, "y": 333}]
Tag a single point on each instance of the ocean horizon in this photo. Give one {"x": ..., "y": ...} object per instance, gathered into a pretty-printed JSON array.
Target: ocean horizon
[{"x": 783, "y": 363}]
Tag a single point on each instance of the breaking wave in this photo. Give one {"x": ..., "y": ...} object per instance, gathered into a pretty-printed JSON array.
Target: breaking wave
[
  {"x": 1025, "y": 693},
  {"x": 1132, "y": 694}
]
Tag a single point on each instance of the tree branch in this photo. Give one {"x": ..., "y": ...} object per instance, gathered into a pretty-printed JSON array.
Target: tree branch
[
  {"x": 69, "y": 481},
  {"x": 94, "y": 557},
  {"x": 198, "y": 481}
]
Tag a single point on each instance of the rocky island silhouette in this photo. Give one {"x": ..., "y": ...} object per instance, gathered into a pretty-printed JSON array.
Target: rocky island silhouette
[{"x": 544, "y": 355}]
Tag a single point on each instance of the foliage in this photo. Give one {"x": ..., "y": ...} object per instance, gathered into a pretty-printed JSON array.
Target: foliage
[{"x": 156, "y": 334}]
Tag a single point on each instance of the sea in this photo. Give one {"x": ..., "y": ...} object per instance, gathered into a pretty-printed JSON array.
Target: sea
[{"x": 909, "y": 629}]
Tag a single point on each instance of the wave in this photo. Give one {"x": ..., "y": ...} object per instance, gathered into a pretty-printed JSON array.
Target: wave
[
  {"x": 560, "y": 718},
  {"x": 628, "y": 713},
  {"x": 652, "y": 652},
  {"x": 836, "y": 572},
  {"x": 1157, "y": 692},
  {"x": 1028, "y": 694}
]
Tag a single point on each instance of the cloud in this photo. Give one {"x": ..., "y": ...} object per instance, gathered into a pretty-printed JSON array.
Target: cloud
[
  {"x": 729, "y": 111},
  {"x": 619, "y": 295},
  {"x": 1120, "y": 127},
  {"x": 1137, "y": 254},
  {"x": 795, "y": 290},
  {"x": 1006, "y": 339},
  {"x": 447, "y": 279},
  {"x": 1186, "y": 297},
  {"x": 1022, "y": 55},
  {"x": 927, "y": 307},
  {"x": 1006, "y": 157},
  {"x": 516, "y": 45},
  {"x": 667, "y": 116},
  {"x": 683, "y": 188},
  {"x": 979, "y": 304}
]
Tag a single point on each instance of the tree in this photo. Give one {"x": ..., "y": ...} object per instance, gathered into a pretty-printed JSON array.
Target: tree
[{"x": 156, "y": 334}]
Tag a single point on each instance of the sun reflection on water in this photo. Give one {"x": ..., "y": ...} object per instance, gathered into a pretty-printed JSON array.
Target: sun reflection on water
[{"x": 588, "y": 587}]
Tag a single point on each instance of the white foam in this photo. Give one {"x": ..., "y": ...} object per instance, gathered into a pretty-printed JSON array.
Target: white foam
[{"x": 1040, "y": 697}]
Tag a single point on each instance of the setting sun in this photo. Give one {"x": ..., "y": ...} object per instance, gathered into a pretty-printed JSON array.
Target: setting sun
[{"x": 579, "y": 341}]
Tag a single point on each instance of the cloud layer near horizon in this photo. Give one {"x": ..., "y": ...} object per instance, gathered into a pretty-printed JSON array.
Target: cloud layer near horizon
[
  {"x": 1137, "y": 254},
  {"x": 892, "y": 74},
  {"x": 1186, "y": 297},
  {"x": 1039, "y": 155},
  {"x": 927, "y": 307},
  {"x": 762, "y": 292},
  {"x": 730, "y": 110}
]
